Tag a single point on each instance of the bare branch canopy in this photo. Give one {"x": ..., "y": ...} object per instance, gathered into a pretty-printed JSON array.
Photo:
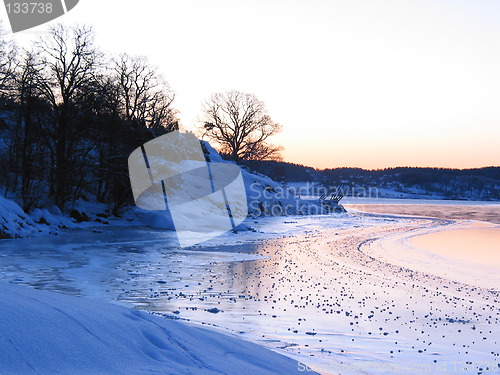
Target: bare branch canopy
[{"x": 239, "y": 124}]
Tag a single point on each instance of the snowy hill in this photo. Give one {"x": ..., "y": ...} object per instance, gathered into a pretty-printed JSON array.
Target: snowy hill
[{"x": 266, "y": 196}]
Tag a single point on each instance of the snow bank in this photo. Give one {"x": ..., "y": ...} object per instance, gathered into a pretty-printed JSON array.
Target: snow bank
[
  {"x": 49, "y": 333},
  {"x": 14, "y": 222}
]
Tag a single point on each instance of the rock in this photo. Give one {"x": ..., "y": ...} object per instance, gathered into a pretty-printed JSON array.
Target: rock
[
  {"x": 213, "y": 310},
  {"x": 79, "y": 216}
]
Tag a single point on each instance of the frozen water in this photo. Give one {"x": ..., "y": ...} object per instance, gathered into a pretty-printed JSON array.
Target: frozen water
[{"x": 319, "y": 289}]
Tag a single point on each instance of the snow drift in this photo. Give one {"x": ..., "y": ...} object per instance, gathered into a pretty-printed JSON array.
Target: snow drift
[{"x": 48, "y": 333}]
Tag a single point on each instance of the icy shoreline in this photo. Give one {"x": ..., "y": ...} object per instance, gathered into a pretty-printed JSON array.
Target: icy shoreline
[{"x": 302, "y": 286}]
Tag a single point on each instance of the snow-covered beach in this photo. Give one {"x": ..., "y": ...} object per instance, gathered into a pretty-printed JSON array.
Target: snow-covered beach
[
  {"x": 323, "y": 290},
  {"x": 50, "y": 333}
]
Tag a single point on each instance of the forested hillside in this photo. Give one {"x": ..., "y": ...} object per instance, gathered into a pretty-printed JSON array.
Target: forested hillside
[
  {"x": 477, "y": 184},
  {"x": 70, "y": 117}
]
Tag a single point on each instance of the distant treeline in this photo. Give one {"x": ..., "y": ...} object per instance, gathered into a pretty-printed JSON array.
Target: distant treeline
[
  {"x": 70, "y": 117},
  {"x": 476, "y": 183}
]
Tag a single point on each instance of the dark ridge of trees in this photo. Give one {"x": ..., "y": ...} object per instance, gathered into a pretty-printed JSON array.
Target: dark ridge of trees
[
  {"x": 283, "y": 171},
  {"x": 475, "y": 183},
  {"x": 69, "y": 119}
]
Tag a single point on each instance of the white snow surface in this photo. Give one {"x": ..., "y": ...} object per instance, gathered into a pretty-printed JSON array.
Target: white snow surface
[{"x": 48, "y": 333}]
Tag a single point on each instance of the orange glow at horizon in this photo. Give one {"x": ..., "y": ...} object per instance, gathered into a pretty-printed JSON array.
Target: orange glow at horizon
[
  {"x": 359, "y": 83},
  {"x": 463, "y": 152}
]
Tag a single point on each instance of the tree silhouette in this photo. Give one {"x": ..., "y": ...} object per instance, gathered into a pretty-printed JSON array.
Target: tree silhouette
[
  {"x": 147, "y": 98},
  {"x": 239, "y": 123}
]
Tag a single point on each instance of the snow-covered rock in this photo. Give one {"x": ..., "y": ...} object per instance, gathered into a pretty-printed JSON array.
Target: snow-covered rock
[
  {"x": 14, "y": 222},
  {"x": 52, "y": 218},
  {"x": 266, "y": 196}
]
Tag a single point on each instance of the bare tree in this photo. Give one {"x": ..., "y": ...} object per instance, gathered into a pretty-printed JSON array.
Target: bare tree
[
  {"x": 70, "y": 60},
  {"x": 8, "y": 61},
  {"x": 239, "y": 123},
  {"x": 71, "y": 119},
  {"x": 28, "y": 129},
  {"x": 147, "y": 98}
]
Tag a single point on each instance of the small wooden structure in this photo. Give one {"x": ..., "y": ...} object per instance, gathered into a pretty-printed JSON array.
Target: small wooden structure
[{"x": 330, "y": 199}]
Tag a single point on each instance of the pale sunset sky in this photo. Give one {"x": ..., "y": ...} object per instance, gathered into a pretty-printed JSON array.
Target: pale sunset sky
[{"x": 361, "y": 83}]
